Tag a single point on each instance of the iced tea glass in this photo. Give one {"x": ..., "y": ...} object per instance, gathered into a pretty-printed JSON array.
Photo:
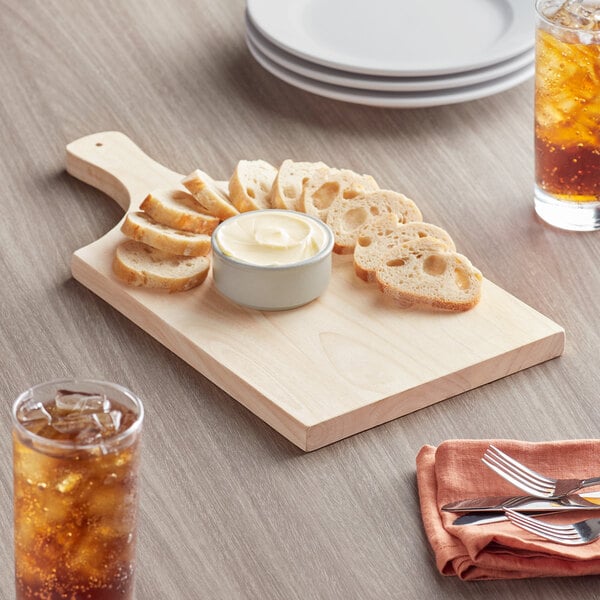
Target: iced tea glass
[
  {"x": 76, "y": 454},
  {"x": 567, "y": 113}
]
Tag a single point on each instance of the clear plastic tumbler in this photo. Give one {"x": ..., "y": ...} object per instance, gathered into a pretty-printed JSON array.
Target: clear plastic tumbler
[
  {"x": 567, "y": 113},
  {"x": 76, "y": 453}
]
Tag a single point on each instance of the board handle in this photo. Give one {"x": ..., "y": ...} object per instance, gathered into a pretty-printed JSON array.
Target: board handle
[{"x": 112, "y": 163}]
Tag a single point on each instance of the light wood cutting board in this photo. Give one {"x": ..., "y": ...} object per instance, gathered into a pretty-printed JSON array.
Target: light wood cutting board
[{"x": 319, "y": 373}]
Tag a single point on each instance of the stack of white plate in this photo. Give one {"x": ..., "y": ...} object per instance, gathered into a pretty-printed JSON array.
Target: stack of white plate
[{"x": 394, "y": 53}]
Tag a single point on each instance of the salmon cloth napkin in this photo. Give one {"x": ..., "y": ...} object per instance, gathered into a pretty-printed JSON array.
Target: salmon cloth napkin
[{"x": 454, "y": 471}]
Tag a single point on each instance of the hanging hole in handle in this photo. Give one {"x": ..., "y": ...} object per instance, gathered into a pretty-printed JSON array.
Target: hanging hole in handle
[{"x": 99, "y": 144}]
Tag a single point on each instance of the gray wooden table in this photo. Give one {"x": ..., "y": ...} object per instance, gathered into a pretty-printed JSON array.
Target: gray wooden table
[{"x": 230, "y": 509}]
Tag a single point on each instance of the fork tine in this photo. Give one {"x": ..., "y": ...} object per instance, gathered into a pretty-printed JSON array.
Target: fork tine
[
  {"x": 534, "y": 486},
  {"x": 534, "y": 475},
  {"x": 563, "y": 533},
  {"x": 529, "y": 527},
  {"x": 510, "y": 471},
  {"x": 542, "y": 528},
  {"x": 515, "y": 480},
  {"x": 520, "y": 471},
  {"x": 545, "y": 535}
]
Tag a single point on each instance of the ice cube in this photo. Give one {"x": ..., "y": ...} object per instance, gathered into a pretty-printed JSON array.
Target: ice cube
[
  {"x": 577, "y": 14},
  {"x": 33, "y": 415},
  {"x": 74, "y": 422},
  {"x": 90, "y": 434},
  {"x": 88, "y": 427},
  {"x": 68, "y": 401},
  {"x": 109, "y": 422}
]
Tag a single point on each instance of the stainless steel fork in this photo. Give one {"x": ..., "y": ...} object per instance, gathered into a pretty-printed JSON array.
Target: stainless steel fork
[
  {"x": 534, "y": 484},
  {"x": 573, "y": 534}
]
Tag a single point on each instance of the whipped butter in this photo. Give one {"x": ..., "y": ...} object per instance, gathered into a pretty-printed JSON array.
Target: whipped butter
[{"x": 271, "y": 237}]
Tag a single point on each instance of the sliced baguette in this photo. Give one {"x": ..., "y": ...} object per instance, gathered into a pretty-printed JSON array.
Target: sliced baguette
[
  {"x": 178, "y": 209},
  {"x": 424, "y": 272},
  {"x": 386, "y": 233},
  {"x": 287, "y": 187},
  {"x": 210, "y": 194},
  {"x": 250, "y": 185},
  {"x": 138, "y": 264},
  {"x": 143, "y": 228},
  {"x": 327, "y": 185},
  {"x": 347, "y": 217}
]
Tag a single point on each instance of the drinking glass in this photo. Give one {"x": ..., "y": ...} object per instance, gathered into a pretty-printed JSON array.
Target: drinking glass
[
  {"x": 76, "y": 454},
  {"x": 567, "y": 113}
]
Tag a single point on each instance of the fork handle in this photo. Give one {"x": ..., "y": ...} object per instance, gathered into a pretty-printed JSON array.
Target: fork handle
[{"x": 590, "y": 482}]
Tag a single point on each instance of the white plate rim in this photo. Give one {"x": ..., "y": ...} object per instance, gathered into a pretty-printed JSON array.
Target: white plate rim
[
  {"x": 359, "y": 81},
  {"x": 263, "y": 14},
  {"x": 392, "y": 99}
]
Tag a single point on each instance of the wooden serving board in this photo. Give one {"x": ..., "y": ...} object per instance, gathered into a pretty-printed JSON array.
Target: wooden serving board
[{"x": 319, "y": 373}]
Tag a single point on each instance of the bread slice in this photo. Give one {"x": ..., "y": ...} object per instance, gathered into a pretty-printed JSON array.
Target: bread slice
[
  {"x": 385, "y": 233},
  {"x": 424, "y": 272},
  {"x": 178, "y": 209},
  {"x": 287, "y": 187},
  {"x": 138, "y": 264},
  {"x": 210, "y": 194},
  {"x": 347, "y": 217},
  {"x": 327, "y": 185},
  {"x": 250, "y": 185},
  {"x": 143, "y": 228}
]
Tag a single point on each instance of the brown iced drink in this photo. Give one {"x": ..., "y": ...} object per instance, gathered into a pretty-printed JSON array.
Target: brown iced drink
[
  {"x": 567, "y": 101},
  {"x": 76, "y": 463}
]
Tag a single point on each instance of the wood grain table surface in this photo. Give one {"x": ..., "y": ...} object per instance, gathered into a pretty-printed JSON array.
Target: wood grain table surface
[{"x": 229, "y": 508}]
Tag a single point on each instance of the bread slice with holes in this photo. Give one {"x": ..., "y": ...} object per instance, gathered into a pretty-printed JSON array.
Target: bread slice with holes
[
  {"x": 210, "y": 194},
  {"x": 250, "y": 185},
  {"x": 140, "y": 265},
  {"x": 385, "y": 233},
  {"x": 347, "y": 217},
  {"x": 287, "y": 187},
  {"x": 425, "y": 272},
  {"x": 141, "y": 227},
  {"x": 178, "y": 209},
  {"x": 327, "y": 185}
]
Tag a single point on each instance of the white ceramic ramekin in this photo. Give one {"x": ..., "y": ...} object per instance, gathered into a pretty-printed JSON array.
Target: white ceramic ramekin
[{"x": 272, "y": 287}]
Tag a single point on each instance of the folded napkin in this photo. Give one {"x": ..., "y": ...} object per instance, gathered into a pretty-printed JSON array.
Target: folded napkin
[{"x": 454, "y": 471}]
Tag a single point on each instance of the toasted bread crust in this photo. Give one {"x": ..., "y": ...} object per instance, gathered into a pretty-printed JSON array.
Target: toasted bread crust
[
  {"x": 347, "y": 218},
  {"x": 424, "y": 272},
  {"x": 178, "y": 209},
  {"x": 250, "y": 185},
  {"x": 287, "y": 187},
  {"x": 141, "y": 227},
  {"x": 140, "y": 265},
  {"x": 385, "y": 233},
  {"x": 209, "y": 194}
]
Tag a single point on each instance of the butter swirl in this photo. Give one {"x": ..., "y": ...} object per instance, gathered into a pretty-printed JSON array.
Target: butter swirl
[{"x": 270, "y": 237}]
